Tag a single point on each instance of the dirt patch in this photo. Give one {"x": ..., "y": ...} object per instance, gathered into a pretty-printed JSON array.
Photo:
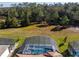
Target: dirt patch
[{"x": 74, "y": 29}]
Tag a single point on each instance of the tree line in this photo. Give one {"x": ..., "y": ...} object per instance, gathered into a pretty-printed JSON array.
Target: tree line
[{"x": 23, "y": 14}]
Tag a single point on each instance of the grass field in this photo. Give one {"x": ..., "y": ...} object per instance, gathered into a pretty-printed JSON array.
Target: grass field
[{"x": 21, "y": 33}]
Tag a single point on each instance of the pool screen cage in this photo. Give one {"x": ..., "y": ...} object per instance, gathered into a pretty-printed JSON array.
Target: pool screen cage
[{"x": 38, "y": 45}]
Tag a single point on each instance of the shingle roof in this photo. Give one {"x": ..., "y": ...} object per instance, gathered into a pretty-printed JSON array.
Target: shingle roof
[
  {"x": 6, "y": 41},
  {"x": 74, "y": 45}
]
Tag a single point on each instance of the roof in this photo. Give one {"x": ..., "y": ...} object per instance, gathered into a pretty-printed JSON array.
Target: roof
[
  {"x": 38, "y": 40},
  {"x": 43, "y": 41},
  {"x": 6, "y": 41},
  {"x": 3, "y": 48},
  {"x": 74, "y": 45}
]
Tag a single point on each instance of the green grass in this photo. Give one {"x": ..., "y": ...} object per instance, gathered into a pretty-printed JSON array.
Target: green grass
[
  {"x": 20, "y": 42},
  {"x": 59, "y": 39},
  {"x": 24, "y": 32}
]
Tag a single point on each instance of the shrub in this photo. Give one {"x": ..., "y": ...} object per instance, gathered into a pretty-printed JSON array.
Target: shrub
[{"x": 2, "y": 24}]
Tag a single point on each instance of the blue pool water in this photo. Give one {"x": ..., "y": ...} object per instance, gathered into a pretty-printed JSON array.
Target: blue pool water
[
  {"x": 40, "y": 51},
  {"x": 38, "y": 45},
  {"x": 36, "y": 50}
]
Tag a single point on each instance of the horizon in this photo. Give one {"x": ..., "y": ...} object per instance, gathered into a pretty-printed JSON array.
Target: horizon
[{"x": 7, "y": 4}]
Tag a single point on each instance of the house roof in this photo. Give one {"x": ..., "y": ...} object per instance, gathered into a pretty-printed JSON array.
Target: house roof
[
  {"x": 38, "y": 41},
  {"x": 3, "y": 48},
  {"x": 6, "y": 41},
  {"x": 74, "y": 45}
]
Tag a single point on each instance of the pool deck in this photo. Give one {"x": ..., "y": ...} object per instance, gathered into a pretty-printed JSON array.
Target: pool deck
[
  {"x": 21, "y": 55},
  {"x": 55, "y": 54},
  {"x": 49, "y": 54}
]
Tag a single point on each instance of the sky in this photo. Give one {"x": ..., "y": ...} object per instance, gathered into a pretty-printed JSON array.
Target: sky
[
  {"x": 39, "y": 0},
  {"x": 8, "y": 2}
]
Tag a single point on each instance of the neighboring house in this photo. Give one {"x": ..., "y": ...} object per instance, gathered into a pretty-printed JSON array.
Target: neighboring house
[
  {"x": 6, "y": 46},
  {"x": 73, "y": 48},
  {"x": 36, "y": 45}
]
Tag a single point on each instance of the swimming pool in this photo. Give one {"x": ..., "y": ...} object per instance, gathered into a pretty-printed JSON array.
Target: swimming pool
[
  {"x": 37, "y": 45},
  {"x": 40, "y": 51},
  {"x": 36, "y": 50}
]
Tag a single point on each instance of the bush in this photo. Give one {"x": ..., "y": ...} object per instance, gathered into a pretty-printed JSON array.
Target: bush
[
  {"x": 14, "y": 22},
  {"x": 64, "y": 20},
  {"x": 2, "y": 24}
]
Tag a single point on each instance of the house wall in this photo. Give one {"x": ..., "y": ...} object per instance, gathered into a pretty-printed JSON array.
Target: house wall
[
  {"x": 5, "y": 54},
  {"x": 7, "y": 51}
]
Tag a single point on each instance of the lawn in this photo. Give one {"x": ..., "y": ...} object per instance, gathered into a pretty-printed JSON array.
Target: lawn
[{"x": 58, "y": 36}]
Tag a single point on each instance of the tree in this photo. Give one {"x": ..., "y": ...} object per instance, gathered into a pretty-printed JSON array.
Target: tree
[
  {"x": 2, "y": 24},
  {"x": 8, "y": 22},
  {"x": 14, "y": 22},
  {"x": 53, "y": 18},
  {"x": 40, "y": 15},
  {"x": 27, "y": 13},
  {"x": 26, "y": 18},
  {"x": 64, "y": 20}
]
